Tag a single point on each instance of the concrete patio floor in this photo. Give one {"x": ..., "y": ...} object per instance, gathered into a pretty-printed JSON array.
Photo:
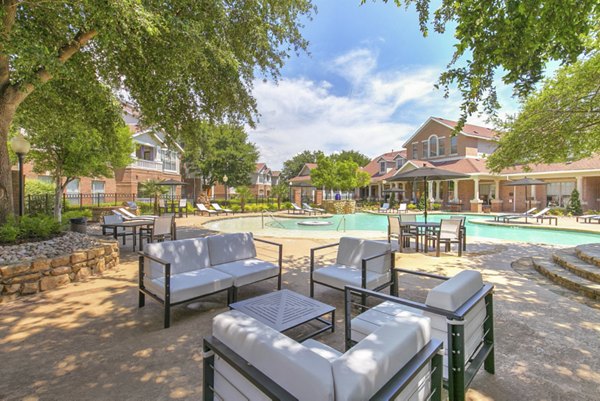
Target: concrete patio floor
[{"x": 89, "y": 341}]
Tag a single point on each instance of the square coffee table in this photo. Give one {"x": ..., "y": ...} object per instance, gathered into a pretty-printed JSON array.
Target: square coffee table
[{"x": 284, "y": 310}]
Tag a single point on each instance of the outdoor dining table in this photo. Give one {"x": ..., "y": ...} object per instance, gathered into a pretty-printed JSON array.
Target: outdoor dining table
[
  {"x": 421, "y": 229},
  {"x": 133, "y": 224}
]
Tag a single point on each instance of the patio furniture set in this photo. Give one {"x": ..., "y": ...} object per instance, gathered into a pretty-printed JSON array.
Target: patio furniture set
[
  {"x": 404, "y": 228},
  {"x": 395, "y": 349}
]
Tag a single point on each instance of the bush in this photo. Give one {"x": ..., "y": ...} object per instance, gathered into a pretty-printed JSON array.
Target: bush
[
  {"x": 8, "y": 233},
  {"x": 557, "y": 211},
  {"x": 411, "y": 206},
  {"x": 235, "y": 208},
  {"x": 435, "y": 206},
  {"x": 286, "y": 205},
  {"x": 574, "y": 207},
  {"x": 37, "y": 187},
  {"x": 39, "y": 227},
  {"x": 73, "y": 214}
]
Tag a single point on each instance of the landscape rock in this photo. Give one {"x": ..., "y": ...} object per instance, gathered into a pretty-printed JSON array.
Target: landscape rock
[{"x": 51, "y": 282}]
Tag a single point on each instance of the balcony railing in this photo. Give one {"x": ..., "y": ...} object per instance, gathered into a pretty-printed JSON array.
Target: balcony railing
[{"x": 154, "y": 165}]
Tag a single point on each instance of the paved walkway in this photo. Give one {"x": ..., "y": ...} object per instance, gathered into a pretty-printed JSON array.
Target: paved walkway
[{"x": 89, "y": 341}]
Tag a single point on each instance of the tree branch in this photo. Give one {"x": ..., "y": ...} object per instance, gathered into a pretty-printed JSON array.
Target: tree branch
[{"x": 8, "y": 21}]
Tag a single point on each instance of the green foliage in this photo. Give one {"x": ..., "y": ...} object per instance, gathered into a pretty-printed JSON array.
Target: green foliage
[
  {"x": 73, "y": 214},
  {"x": 411, "y": 206},
  {"x": 352, "y": 155},
  {"x": 29, "y": 228},
  {"x": 280, "y": 191},
  {"x": 574, "y": 207},
  {"x": 517, "y": 39},
  {"x": 214, "y": 151},
  {"x": 37, "y": 187},
  {"x": 235, "y": 208},
  {"x": 243, "y": 193},
  {"x": 435, "y": 206},
  {"x": 344, "y": 175},
  {"x": 293, "y": 166},
  {"x": 559, "y": 211},
  {"x": 287, "y": 205},
  {"x": 560, "y": 122}
]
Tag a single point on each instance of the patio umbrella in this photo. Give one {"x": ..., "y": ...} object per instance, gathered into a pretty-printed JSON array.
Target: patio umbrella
[
  {"x": 427, "y": 173},
  {"x": 525, "y": 182},
  {"x": 172, "y": 184},
  {"x": 393, "y": 191}
]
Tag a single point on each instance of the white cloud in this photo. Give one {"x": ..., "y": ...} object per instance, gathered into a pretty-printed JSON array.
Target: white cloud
[{"x": 382, "y": 110}]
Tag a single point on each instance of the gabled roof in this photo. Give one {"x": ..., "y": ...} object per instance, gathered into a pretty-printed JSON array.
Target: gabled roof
[
  {"x": 260, "y": 167},
  {"x": 304, "y": 174},
  {"x": 275, "y": 173},
  {"x": 590, "y": 163},
  {"x": 373, "y": 166},
  {"x": 156, "y": 137},
  {"x": 471, "y": 130}
]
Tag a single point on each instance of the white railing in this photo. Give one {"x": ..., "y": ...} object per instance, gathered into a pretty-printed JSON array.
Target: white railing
[{"x": 154, "y": 165}]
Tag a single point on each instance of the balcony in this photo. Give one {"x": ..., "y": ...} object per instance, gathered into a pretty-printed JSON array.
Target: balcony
[{"x": 147, "y": 164}]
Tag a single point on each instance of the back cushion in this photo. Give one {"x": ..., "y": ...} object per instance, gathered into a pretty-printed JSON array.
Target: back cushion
[
  {"x": 303, "y": 373},
  {"x": 453, "y": 293},
  {"x": 231, "y": 247},
  {"x": 351, "y": 252},
  {"x": 184, "y": 255},
  {"x": 365, "y": 368}
]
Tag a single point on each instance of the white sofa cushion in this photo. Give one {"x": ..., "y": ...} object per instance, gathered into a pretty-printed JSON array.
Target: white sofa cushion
[
  {"x": 352, "y": 251},
  {"x": 366, "y": 367},
  {"x": 303, "y": 373},
  {"x": 338, "y": 276},
  {"x": 327, "y": 352},
  {"x": 248, "y": 271},
  {"x": 190, "y": 284},
  {"x": 453, "y": 293},
  {"x": 184, "y": 255},
  {"x": 385, "y": 312},
  {"x": 227, "y": 248}
]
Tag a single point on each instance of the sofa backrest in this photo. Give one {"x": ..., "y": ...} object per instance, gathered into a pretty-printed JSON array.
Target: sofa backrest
[
  {"x": 227, "y": 248},
  {"x": 366, "y": 367},
  {"x": 352, "y": 251},
  {"x": 454, "y": 292},
  {"x": 300, "y": 371},
  {"x": 184, "y": 255}
]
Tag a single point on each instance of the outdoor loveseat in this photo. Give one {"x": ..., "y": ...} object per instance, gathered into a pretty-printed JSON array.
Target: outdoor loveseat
[
  {"x": 461, "y": 313},
  {"x": 175, "y": 272},
  {"x": 245, "y": 359}
]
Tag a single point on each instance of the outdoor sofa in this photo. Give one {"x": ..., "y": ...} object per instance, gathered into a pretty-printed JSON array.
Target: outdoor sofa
[
  {"x": 461, "y": 313},
  {"x": 175, "y": 272},
  {"x": 245, "y": 359},
  {"x": 359, "y": 262}
]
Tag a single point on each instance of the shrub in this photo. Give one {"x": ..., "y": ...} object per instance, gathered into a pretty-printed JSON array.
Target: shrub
[
  {"x": 436, "y": 206},
  {"x": 235, "y": 208},
  {"x": 38, "y": 227},
  {"x": 37, "y": 187},
  {"x": 411, "y": 206},
  {"x": 574, "y": 207},
  {"x": 8, "y": 233},
  {"x": 287, "y": 205},
  {"x": 557, "y": 211}
]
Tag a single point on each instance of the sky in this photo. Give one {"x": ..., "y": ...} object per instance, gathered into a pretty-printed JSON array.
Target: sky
[{"x": 367, "y": 84}]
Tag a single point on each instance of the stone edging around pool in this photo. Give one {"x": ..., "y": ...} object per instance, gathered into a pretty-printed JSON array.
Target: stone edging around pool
[{"x": 33, "y": 276}]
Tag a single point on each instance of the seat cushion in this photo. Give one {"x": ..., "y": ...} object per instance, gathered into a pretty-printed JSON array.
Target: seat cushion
[
  {"x": 372, "y": 319},
  {"x": 302, "y": 372},
  {"x": 453, "y": 293},
  {"x": 248, "y": 271},
  {"x": 352, "y": 251},
  {"x": 184, "y": 255},
  {"x": 190, "y": 284},
  {"x": 231, "y": 247},
  {"x": 338, "y": 276},
  {"x": 366, "y": 367},
  {"x": 327, "y": 352}
]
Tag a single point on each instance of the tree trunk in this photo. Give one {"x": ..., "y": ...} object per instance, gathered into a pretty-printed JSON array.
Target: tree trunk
[
  {"x": 7, "y": 113},
  {"x": 58, "y": 191}
]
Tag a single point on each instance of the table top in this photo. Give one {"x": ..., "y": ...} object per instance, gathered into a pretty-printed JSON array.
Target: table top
[
  {"x": 130, "y": 223},
  {"x": 419, "y": 224},
  {"x": 282, "y": 310}
]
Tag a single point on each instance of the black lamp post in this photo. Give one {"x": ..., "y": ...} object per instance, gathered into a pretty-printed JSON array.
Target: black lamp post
[
  {"x": 291, "y": 200},
  {"x": 21, "y": 147},
  {"x": 225, "y": 179}
]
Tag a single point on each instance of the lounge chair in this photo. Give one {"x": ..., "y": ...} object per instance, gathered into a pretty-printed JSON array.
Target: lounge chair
[
  {"x": 588, "y": 218},
  {"x": 127, "y": 215},
  {"x": 385, "y": 208},
  {"x": 120, "y": 231},
  {"x": 537, "y": 215},
  {"x": 219, "y": 209},
  {"x": 499, "y": 217},
  {"x": 461, "y": 313},
  {"x": 132, "y": 205},
  {"x": 200, "y": 208},
  {"x": 298, "y": 210},
  {"x": 183, "y": 207},
  {"x": 543, "y": 216},
  {"x": 315, "y": 210},
  {"x": 402, "y": 208}
]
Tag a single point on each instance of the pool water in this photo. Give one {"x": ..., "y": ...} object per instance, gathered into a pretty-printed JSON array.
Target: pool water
[{"x": 376, "y": 225}]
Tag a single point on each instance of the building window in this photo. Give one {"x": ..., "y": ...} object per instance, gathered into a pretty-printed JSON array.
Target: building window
[
  {"x": 400, "y": 162},
  {"x": 441, "y": 146},
  {"x": 415, "y": 150},
  {"x": 559, "y": 193},
  {"x": 425, "y": 149},
  {"x": 73, "y": 192},
  {"x": 454, "y": 145},
  {"x": 98, "y": 191},
  {"x": 382, "y": 167},
  {"x": 433, "y": 146},
  {"x": 45, "y": 179},
  {"x": 145, "y": 152},
  {"x": 169, "y": 159}
]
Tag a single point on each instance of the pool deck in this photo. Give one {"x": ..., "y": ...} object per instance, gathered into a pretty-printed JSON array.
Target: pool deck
[{"x": 89, "y": 341}]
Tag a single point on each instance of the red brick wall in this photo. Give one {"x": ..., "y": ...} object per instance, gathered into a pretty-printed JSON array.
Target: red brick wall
[
  {"x": 466, "y": 191},
  {"x": 591, "y": 192}
]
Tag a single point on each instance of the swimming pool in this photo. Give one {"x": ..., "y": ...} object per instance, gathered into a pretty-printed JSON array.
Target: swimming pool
[{"x": 371, "y": 225}]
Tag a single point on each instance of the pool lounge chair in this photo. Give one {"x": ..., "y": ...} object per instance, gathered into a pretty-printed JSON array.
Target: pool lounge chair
[
  {"x": 385, "y": 208},
  {"x": 127, "y": 215},
  {"x": 219, "y": 209},
  {"x": 402, "y": 208},
  {"x": 200, "y": 208},
  {"x": 297, "y": 209},
  {"x": 588, "y": 218},
  {"x": 316, "y": 210},
  {"x": 536, "y": 216},
  {"x": 500, "y": 216}
]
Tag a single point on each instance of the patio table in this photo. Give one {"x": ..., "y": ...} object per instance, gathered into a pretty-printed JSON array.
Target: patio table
[
  {"x": 421, "y": 230},
  {"x": 133, "y": 224},
  {"x": 284, "y": 310}
]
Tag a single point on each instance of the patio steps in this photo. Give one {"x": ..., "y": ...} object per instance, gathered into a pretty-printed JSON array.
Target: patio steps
[
  {"x": 589, "y": 253},
  {"x": 571, "y": 272}
]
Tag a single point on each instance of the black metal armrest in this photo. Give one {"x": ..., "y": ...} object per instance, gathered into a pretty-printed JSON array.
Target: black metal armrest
[
  {"x": 312, "y": 254},
  {"x": 154, "y": 258},
  {"x": 280, "y": 246},
  {"x": 417, "y": 273}
]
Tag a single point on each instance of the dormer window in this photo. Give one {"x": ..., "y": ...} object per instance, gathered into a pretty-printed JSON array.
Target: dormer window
[
  {"x": 382, "y": 167},
  {"x": 399, "y": 162}
]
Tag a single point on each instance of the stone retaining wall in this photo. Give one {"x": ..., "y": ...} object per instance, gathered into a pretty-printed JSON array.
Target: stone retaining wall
[
  {"x": 339, "y": 206},
  {"x": 32, "y": 276}
]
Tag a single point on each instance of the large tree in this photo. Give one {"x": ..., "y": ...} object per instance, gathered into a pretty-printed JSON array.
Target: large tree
[
  {"x": 352, "y": 155},
  {"x": 215, "y": 151},
  {"x": 560, "y": 122},
  {"x": 179, "y": 60},
  {"x": 70, "y": 140},
  {"x": 344, "y": 175},
  {"x": 293, "y": 166},
  {"x": 514, "y": 38}
]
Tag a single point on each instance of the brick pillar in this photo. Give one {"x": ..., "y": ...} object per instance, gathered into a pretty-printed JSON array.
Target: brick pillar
[
  {"x": 298, "y": 197},
  {"x": 319, "y": 200}
]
